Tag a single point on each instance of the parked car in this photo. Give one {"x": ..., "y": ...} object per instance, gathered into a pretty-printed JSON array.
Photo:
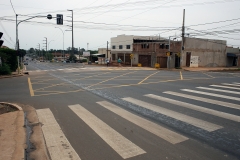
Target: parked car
[{"x": 25, "y": 63}]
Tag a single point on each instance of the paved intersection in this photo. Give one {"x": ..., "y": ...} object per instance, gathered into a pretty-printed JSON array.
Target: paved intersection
[{"x": 137, "y": 114}]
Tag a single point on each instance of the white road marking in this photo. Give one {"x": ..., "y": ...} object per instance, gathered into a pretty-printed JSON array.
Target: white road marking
[
  {"x": 221, "y": 103},
  {"x": 228, "y": 84},
  {"x": 197, "y": 108},
  {"x": 58, "y": 146},
  {"x": 225, "y": 87},
  {"x": 219, "y": 90},
  {"x": 124, "y": 147},
  {"x": 185, "y": 118},
  {"x": 154, "y": 128},
  {"x": 212, "y": 94}
]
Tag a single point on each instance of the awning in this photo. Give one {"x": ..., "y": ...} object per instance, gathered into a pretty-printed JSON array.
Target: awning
[{"x": 231, "y": 54}]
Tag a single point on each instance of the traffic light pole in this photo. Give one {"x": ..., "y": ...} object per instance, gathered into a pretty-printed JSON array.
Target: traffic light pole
[{"x": 17, "y": 41}]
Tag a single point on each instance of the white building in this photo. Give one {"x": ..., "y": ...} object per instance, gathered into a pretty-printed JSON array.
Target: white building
[{"x": 122, "y": 47}]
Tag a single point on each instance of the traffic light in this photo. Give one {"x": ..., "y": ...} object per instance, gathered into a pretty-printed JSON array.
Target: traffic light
[
  {"x": 1, "y": 41},
  {"x": 60, "y": 19}
]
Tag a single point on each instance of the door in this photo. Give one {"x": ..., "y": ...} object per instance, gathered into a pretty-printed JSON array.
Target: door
[
  {"x": 188, "y": 58},
  {"x": 145, "y": 60},
  {"x": 162, "y": 61}
]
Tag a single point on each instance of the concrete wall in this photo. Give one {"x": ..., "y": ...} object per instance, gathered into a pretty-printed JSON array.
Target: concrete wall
[
  {"x": 211, "y": 53},
  {"x": 104, "y": 51},
  {"x": 123, "y": 40}
]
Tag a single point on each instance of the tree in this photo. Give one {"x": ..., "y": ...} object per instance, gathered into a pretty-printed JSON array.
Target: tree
[
  {"x": 9, "y": 57},
  {"x": 72, "y": 57},
  {"x": 31, "y": 50}
]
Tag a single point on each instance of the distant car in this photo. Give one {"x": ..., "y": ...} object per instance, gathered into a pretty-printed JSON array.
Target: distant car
[{"x": 25, "y": 63}]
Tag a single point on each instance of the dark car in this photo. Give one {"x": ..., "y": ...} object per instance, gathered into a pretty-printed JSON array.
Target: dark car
[{"x": 25, "y": 63}]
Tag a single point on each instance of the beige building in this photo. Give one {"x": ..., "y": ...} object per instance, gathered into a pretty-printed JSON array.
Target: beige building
[{"x": 204, "y": 53}]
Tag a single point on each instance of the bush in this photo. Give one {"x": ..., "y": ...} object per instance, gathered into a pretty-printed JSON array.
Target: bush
[
  {"x": 84, "y": 60},
  {"x": 5, "y": 69}
]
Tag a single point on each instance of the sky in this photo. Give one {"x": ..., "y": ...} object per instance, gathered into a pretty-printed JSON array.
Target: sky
[{"x": 96, "y": 21}]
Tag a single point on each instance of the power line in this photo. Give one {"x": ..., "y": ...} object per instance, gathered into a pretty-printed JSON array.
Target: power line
[
  {"x": 214, "y": 22},
  {"x": 12, "y": 7}
]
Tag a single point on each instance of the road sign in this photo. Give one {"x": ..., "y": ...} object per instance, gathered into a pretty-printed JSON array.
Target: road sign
[
  {"x": 49, "y": 16},
  {"x": 60, "y": 19},
  {"x": 167, "y": 53},
  {"x": 131, "y": 56}
]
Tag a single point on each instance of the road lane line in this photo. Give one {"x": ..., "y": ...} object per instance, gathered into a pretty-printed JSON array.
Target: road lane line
[
  {"x": 124, "y": 147},
  {"x": 231, "y": 84},
  {"x": 196, "y": 108},
  {"x": 185, "y": 118},
  {"x": 111, "y": 79},
  {"x": 30, "y": 87},
  {"x": 208, "y": 75},
  {"x": 212, "y": 94},
  {"x": 225, "y": 87},
  {"x": 148, "y": 77},
  {"x": 181, "y": 75},
  {"x": 219, "y": 90},
  {"x": 206, "y": 100},
  {"x": 154, "y": 128},
  {"x": 57, "y": 144}
]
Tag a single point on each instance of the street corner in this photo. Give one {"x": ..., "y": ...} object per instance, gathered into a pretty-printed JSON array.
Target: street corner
[{"x": 12, "y": 132}]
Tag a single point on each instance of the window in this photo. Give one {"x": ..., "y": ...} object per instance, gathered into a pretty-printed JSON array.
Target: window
[
  {"x": 162, "y": 46},
  {"x": 128, "y": 47},
  {"x": 120, "y": 47},
  {"x": 145, "y": 45},
  {"x": 113, "y": 47},
  {"x": 167, "y": 46}
]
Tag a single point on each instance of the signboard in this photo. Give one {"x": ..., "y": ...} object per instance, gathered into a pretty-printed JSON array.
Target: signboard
[
  {"x": 194, "y": 61},
  {"x": 86, "y": 54}
]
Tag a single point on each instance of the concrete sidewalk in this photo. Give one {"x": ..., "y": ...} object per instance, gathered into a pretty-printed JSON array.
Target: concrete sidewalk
[{"x": 12, "y": 136}]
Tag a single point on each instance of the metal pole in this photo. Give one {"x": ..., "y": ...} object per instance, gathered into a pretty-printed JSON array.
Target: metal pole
[
  {"x": 183, "y": 33},
  {"x": 107, "y": 49},
  {"x": 17, "y": 43}
]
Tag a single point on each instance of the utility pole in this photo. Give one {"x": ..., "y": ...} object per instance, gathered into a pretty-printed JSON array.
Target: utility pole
[
  {"x": 107, "y": 49},
  {"x": 45, "y": 44},
  {"x": 183, "y": 33},
  {"x": 72, "y": 33}
]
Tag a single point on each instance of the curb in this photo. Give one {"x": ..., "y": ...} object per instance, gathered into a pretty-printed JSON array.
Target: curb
[
  {"x": 13, "y": 105},
  {"x": 11, "y": 76}
]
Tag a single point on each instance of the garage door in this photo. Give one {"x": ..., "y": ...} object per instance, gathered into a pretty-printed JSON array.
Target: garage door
[
  {"x": 145, "y": 60},
  {"x": 162, "y": 61}
]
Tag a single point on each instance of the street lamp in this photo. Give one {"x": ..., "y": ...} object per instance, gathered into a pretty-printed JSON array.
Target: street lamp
[{"x": 49, "y": 43}]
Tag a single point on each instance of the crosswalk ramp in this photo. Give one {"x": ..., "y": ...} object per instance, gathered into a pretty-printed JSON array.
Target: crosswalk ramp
[{"x": 60, "y": 148}]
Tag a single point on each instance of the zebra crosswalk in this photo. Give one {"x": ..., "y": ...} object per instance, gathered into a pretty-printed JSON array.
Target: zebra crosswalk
[{"x": 123, "y": 146}]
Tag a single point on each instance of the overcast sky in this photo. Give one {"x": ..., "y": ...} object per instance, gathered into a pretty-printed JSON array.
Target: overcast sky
[{"x": 96, "y": 21}]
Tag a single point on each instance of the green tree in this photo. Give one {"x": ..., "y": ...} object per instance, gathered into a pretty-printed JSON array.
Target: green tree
[
  {"x": 9, "y": 57},
  {"x": 72, "y": 57}
]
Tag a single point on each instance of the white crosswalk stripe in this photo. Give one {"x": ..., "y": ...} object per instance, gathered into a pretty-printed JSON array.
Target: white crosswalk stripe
[
  {"x": 197, "y": 108},
  {"x": 154, "y": 128},
  {"x": 219, "y": 90},
  {"x": 231, "y": 84},
  {"x": 221, "y": 103},
  {"x": 212, "y": 94},
  {"x": 225, "y": 87},
  {"x": 124, "y": 147},
  {"x": 57, "y": 144},
  {"x": 185, "y": 118}
]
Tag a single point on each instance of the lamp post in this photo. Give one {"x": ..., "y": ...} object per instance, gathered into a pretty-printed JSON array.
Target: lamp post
[
  {"x": 49, "y": 16},
  {"x": 63, "y": 42},
  {"x": 72, "y": 32}
]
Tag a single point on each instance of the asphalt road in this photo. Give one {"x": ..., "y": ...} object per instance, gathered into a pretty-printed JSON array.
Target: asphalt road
[{"x": 132, "y": 113}]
